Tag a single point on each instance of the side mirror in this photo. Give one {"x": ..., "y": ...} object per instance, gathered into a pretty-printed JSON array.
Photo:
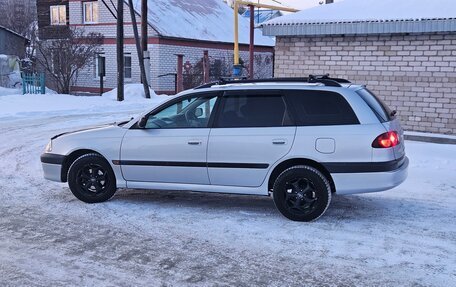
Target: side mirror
[
  {"x": 198, "y": 112},
  {"x": 142, "y": 122}
]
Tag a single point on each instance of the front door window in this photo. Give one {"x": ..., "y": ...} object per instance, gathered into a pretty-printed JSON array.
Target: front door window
[{"x": 189, "y": 113}]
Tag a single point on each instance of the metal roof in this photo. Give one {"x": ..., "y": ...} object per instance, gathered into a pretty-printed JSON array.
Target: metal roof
[
  {"x": 351, "y": 17},
  {"x": 354, "y": 28}
]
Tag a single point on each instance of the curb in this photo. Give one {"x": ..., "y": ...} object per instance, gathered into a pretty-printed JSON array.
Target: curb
[{"x": 430, "y": 139}]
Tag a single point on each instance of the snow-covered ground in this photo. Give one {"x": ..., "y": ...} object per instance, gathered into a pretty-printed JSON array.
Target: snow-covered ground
[
  {"x": 15, "y": 106},
  {"x": 402, "y": 237}
]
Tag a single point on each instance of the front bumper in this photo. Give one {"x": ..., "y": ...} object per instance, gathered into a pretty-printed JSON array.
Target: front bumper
[
  {"x": 349, "y": 183},
  {"x": 52, "y": 166}
]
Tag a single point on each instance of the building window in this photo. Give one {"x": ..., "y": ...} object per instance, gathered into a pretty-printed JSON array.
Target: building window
[
  {"x": 96, "y": 69},
  {"x": 90, "y": 12},
  {"x": 127, "y": 66},
  {"x": 58, "y": 15}
]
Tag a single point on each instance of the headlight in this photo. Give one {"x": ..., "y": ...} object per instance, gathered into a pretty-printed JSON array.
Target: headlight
[{"x": 48, "y": 147}]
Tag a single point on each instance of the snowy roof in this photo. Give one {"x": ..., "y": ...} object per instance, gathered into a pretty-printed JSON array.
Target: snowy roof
[
  {"x": 206, "y": 20},
  {"x": 368, "y": 17},
  {"x": 262, "y": 15}
]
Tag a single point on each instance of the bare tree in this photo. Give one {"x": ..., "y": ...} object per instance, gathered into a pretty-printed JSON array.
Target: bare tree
[
  {"x": 64, "y": 58},
  {"x": 19, "y": 15}
]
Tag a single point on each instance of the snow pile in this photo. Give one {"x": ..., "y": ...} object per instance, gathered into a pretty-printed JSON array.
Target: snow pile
[
  {"x": 9, "y": 91},
  {"x": 133, "y": 92},
  {"x": 371, "y": 10},
  {"x": 38, "y": 106},
  {"x": 205, "y": 20}
]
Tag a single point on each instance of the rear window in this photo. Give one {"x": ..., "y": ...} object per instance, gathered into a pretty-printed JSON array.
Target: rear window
[
  {"x": 321, "y": 108},
  {"x": 379, "y": 108}
]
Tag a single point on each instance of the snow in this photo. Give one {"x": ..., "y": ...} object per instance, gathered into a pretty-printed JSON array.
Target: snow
[
  {"x": 402, "y": 237},
  {"x": 205, "y": 20},
  {"x": 371, "y": 10},
  {"x": 15, "y": 105},
  {"x": 9, "y": 91},
  {"x": 133, "y": 92}
]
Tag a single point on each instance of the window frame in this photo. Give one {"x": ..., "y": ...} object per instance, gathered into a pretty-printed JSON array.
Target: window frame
[
  {"x": 84, "y": 8},
  {"x": 209, "y": 94},
  {"x": 95, "y": 65},
  {"x": 128, "y": 79},
  {"x": 253, "y": 93},
  {"x": 58, "y": 7}
]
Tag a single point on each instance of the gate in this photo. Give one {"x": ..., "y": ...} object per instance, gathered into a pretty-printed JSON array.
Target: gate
[{"x": 33, "y": 83}]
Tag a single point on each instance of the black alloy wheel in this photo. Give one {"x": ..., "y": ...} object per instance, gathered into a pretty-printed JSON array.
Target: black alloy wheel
[
  {"x": 302, "y": 193},
  {"x": 91, "y": 178}
]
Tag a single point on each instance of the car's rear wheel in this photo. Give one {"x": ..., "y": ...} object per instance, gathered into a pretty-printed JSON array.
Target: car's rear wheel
[
  {"x": 302, "y": 193},
  {"x": 91, "y": 178}
]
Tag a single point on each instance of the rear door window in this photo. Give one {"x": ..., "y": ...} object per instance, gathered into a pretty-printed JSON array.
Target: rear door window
[
  {"x": 253, "y": 110},
  {"x": 379, "y": 108},
  {"x": 321, "y": 108}
]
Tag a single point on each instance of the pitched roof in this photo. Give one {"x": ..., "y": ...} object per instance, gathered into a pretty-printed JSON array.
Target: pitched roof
[
  {"x": 206, "y": 20},
  {"x": 14, "y": 33},
  {"x": 368, "y": 17}
]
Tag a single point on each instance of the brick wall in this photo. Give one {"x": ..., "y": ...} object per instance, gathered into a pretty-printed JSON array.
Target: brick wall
[
  {"x": 414, "y": 74},
  {"x": 162, "y": 61}
]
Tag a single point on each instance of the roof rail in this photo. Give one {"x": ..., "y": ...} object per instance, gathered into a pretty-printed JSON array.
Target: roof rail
[{"x": 322, "y": 79}]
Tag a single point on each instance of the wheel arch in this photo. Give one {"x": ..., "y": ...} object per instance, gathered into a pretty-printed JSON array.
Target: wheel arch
[
  {"x": 278, "y": 169},
  {"x": 70, "y": 158}
]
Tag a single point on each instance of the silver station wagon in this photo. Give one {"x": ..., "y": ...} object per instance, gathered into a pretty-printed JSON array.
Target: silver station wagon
[{"x": 298, "y": 139}]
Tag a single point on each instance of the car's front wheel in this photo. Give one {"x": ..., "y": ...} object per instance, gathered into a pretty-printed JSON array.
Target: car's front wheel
[
  {"x": 91, "y": 178},
  {"x": 302, "y": 193}
]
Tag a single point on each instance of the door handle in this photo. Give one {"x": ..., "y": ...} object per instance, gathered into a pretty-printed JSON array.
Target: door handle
[
  {"x": 279, "y": 141},
  {"x": 194, "y": 142}
]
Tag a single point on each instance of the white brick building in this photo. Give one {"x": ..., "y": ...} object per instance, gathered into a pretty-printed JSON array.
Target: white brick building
[
  {"x": 187, "y": 27},
  {"x": 404, "y": 50}
]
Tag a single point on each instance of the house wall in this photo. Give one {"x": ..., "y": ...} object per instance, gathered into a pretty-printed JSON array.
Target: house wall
[
  {"x": 414, "y": 74},
  {"x": 12, "y": 44},
  {"x": 164, "y": 60},
  {"x": 106, "y": 23},
  {"x": 47, "y": 31},
  {"x": 162, "y": 52}
]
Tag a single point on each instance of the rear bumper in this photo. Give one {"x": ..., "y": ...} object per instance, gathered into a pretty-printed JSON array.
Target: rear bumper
[
  {"x": 52, "y": 166},
  {"x": 350, "y": 183}
]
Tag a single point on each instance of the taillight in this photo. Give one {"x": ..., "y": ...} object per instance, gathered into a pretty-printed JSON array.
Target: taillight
[{"x": 386, "y": 140}]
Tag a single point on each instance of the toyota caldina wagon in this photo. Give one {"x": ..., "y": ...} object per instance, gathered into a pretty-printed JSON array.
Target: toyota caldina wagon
[{"x": 299, "y": 140}]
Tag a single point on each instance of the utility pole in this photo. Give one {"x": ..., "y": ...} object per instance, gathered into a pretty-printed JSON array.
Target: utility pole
[
  {"x": 252, "y": 37},
  {"x": 120, "y": 51},
  {"x": 237, "y": 69},
  {"x": 138, "y": 50},
  {"x": 144, "y": 38}
]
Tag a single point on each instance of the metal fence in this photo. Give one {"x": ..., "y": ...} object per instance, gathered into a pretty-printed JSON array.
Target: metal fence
[{"x": 33, "y": 83}]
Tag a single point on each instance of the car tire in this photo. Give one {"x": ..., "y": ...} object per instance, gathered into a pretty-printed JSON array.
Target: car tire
[
  {"x": 302, "y": 193},
  {"x": 91, "y": 178}
]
